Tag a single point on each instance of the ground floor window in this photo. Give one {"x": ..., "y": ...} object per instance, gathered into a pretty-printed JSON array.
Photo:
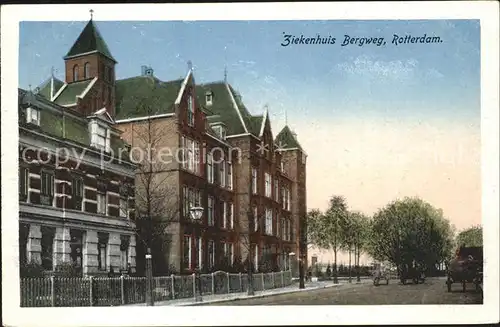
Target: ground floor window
[
  {"x": 102, "y": 251},
  {"x": 124, "y": 251},
  {"x": 76, "y": 245},
  {"x": 24, "y": 230},
  {"x": 47, "y": 247},
  {"x": 211, "y": 254},
  {"x": 187, "y": 252}
]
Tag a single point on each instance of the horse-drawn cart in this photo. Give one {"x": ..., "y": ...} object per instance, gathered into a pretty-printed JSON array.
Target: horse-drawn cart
[{"x": 467, "y": 267}]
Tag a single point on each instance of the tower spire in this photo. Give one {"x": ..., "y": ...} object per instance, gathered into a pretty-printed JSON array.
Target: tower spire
[{"x": 91, "y": 14}]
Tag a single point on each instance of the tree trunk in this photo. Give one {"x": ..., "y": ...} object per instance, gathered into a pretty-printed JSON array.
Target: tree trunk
[
  {"x": 350, "y": 253},
  {"x": 335, "y": 276}
]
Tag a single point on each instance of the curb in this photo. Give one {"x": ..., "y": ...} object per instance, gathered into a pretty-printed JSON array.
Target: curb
[{"x": 256, "y": 296}]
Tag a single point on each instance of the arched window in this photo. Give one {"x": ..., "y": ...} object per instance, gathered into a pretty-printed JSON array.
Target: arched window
[
  {"x": 87, "y": 70},
  {"x": 75, "y": 73}
]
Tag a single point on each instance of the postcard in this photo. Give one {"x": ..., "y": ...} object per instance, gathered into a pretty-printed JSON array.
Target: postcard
[{"x": 264, "y": 163}]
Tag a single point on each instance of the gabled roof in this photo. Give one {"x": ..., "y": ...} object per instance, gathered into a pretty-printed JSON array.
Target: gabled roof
[
  {"x": 287, "y": 140},
  {"x": 90, "y": 40},
  {"x": 103, "y": 115},
  {"x": 50, "y": 87},
  {"x": 70, "y": 92},
  {"x": 145, "y": 96}
]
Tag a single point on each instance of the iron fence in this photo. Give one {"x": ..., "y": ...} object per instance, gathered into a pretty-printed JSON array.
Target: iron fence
[{"x": 106, "y": 291}]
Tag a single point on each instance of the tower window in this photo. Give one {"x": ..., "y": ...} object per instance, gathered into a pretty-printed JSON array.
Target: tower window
[
  {"x": 208, "y": 98},
  {"x": 87, "y": 70},
  {"x": 75, "y": 73}
]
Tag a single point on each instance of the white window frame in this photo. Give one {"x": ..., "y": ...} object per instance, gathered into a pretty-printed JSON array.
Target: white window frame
[
  {"x": 256, "y": 256},
  {"x": 189, "y": 239},
  {"x": 222, "y": 173},
  {"x": 276, "y": 189},
  {"x": 231, "y": 215},
  {"x": 210, "y": 211},
  {"x": 224, "y": 214},
  {"x": 229, "y": 175},
  {"x": 269, "y": 222},
  {"x": 199, "y": 245},
  {"x": 255, "y": 218},
  {"x": 269, "y": 188},
  {"x": 190, "y": 108},
  {"x": 211, "y": 253},
  {"x": 288, "y": 204},
  {"x": 102, "y": 205},
  {"x": 123, "y": 207},
  {"x": 254, "y": 180},
  {"x": 208, "y": 99},
  {"x": 29, "y": 116},
  {"x": 210, "y": 167},
  {"x": 229, "y": 249}
]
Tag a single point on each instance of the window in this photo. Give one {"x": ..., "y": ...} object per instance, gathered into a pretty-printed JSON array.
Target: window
[
  {"x": 101, "y": 203},
  {"x": 47, "y": 191},
  {"x": 288, "y": 204},
  {"x": 229, "y": 252},
  {"x": 211, "y": 254},
  {"x": 187, "y": 252},
  {"x": 210, "y": 211},
  {"x": 224, "y": 214},
  {"x": 102, "y": 251},
  {"x": 222, "y": 167},
  {"x": 256, "y": 256},
  {"x": 220, "y": 131},
  {"x": 210, "y": 167},
  {"x": 24, "y": 183},
  {"x": 229, "y": 175},
  {"x": 75, "y": 73},
  {"x": 208, "y": 98},
  {"x": 190, "y": 111},
  {"x": 283, "y": 229},
  {"x": 124, "y": 249},
  {"x": 268, "y": 185},
  {"x": 24, "y": 230},
  {"x": 33, "y": 116},
  {"x": 254, "y": 180},
  {"x": 255, "y": 219},
  {"x": 282, "y": 166},
  {"x": 76, "y": 246},
  {"x": 86, "y": 71},
  {"x": 276, "y": 190},
  {"x": 285, "y": 201},
  {"x": 77, "y": 197},
  {"x": 269, "y": 222},
  {"x": 197, "y": 160},
  {"x": 47, "y": 247},
  {"x": 199, "y": 261},
  {"x": 190, "y": 155},
  {"x": 231, "y": 216},
  {"x": 123, "y": 208},
  {"x": 100, "y": 136}
]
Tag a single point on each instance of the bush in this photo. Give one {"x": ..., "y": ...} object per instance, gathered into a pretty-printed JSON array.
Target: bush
[
  {"x": 31, "y": 270},
  {"x": 68, "y": 269}
]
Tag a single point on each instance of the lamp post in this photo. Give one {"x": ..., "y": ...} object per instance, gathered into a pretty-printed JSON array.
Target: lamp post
[{"x": 196, "y": 214}]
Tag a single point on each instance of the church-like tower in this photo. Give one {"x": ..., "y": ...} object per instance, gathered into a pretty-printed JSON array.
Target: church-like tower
[{"x": 89, "y": 58}]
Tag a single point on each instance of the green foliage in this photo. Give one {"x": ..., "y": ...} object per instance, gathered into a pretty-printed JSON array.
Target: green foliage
[
  {"x": 410, "y": 230},
  {"x": 470, "y": 237},
  {"x": 31, "y": 270}
]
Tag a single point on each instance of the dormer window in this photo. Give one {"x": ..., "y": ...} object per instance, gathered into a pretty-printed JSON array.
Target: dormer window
[
  {"x": 99, "y": 136},
  {"x": 33, "y": 116},
  {"x": 221, "y": 131},
  {"x": 208, "y": 98},
  {"x": 190, "y": 111}
]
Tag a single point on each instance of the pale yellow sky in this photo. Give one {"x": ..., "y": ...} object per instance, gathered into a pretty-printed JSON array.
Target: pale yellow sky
[{"x": 373, "y": 162}]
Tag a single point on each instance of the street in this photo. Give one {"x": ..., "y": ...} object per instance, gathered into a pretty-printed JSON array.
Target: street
[{"x": 433, "y": 291}]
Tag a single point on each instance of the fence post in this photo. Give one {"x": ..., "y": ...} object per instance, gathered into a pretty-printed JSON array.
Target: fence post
[
  {"x": 263, "y": 285},
  {"x": 122, "y": 288},
  {"x": 91, "y": 283},
  {"x": 241, "y": 284},
  {"x": 228, "y": 283},
  {"x": 52, "y": 291},
  {"x": 213, "y": 284},
  {"x": 194, "y": 286},
  {"x": 282, "y": 279},
  {"x": 173, "y": 286}
]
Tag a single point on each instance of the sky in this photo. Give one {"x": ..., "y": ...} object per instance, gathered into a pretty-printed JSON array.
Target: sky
[{"x": 377, "y": 122}]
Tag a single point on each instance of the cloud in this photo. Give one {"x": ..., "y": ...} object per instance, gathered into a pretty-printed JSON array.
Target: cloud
[{"x": 365, "y": 66}]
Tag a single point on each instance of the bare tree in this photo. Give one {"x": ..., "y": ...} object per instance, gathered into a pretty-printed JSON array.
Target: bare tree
[{"x": 157, "y": 198}]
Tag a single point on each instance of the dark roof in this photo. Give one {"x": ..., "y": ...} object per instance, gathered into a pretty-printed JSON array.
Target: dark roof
[
  {"x": 287, "y": 139},
  {"x": 144, "y": 96},
  {"x": 222, "y": 105},
  {"x": 71, "y": 91},
  {"x": 75, "y": 127},
  {"x": 50, "y": 87},
  {"x": 90, "y": 40}
]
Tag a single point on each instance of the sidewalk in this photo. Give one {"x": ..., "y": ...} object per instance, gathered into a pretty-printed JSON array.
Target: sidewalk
[{"x": 243, "y": 295}]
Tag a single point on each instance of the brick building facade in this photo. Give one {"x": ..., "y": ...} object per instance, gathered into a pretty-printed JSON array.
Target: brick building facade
[{"x": 214, "y": 154}]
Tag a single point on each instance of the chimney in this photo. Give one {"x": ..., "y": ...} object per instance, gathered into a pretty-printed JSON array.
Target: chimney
[{"x": 146, "y": 71}]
